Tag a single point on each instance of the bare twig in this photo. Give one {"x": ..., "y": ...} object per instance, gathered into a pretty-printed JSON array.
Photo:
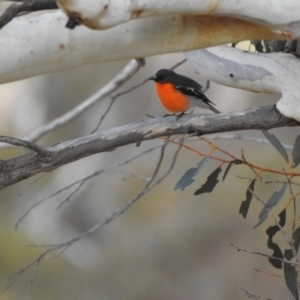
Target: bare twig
[
  {"x": 240, "y": 136},
  {"x": 31, "y": 184},
  {"x": 64, "y": 246},
  {"x": 112, "y": 101},
  {"x": 30, "y": 145},
  {"x": 72, "y": 194},
  {"x": 131, "y": 175},
  {"x": 253, "y": 297},
  {"x": 268, "y": 273},
  {"x": 79, "y": 181},
  {"x": 116, "y": 213},
  {"x": 125, "y": 207},
  {"x": 263, "y": 254},
  {"x": 127, "y": 72},
  {"x": 34, "y": 271},
  {"x": 268, "y": 181},
  {"x": 178, "y": 64},
  {"x": 294, "y": 200},
  {"x": 10, "y": 281}
]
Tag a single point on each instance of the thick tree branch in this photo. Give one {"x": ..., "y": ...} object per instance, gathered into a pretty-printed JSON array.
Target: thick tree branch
[
  {"x": 101, "y": 14},
  {"x": 258, "y": 72},
  {"x": 27, "y": 165},
  {"x": 30, "y": 45}
]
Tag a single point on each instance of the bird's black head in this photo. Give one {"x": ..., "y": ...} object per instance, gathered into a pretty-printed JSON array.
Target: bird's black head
[{"x": 162, "y": 76}]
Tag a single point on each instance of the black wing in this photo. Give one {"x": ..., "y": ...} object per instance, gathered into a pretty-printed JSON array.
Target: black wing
[
  {"x": 203, "y": 101},
  {"x": 180, "y": 80},
  {"x": 194, "y": 93}
]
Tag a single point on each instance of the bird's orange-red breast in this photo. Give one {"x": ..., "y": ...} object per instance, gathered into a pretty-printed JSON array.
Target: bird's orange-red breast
[
  {"x": 178, "y": 93},
  {"x": 171, "y": 99}
]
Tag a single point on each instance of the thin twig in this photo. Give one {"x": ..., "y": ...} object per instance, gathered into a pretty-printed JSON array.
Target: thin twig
[
  {"x": 32, "y": 183},
  {"x": 110, "y": 87},
  {"x": 26, "y": 144},
  {"x": 178, "y": 64},
  {"x": 64, "y": 246},
  {"x": 117, "y": 212},
  {"x": 294, "y": 201},
  {"x": 240, "y": 136},
  {"x": 263, "y": 254},
  {"x": 33, "y": 275},
  {"x": 253, "y": 297},
  {"x": 125, "y": 207},
  {"x": 268, "y": 273},
  {"x": 65, "y": 188},
  {"x": 71, "y": 194},
  {"x": 112, "y": 101},
  {"x": 10, "y": 281}
]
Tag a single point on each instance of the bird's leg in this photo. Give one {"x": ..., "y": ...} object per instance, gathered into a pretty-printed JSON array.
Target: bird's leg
[{"x": 180, "y": 115}]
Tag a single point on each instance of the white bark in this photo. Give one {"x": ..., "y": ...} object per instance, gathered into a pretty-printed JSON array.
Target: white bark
[
  {"x": 101, "y": 14},
  {"x": 36, "y": 44},
  {"x": 257, "y": 72}
]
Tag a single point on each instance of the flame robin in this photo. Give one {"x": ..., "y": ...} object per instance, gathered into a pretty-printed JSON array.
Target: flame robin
[{"x": 178, "y": 93}]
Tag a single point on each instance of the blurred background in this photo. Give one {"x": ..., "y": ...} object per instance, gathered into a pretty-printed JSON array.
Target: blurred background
[{"x": 170, "y": 244}]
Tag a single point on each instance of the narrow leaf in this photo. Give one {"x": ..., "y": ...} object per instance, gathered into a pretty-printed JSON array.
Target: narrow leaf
[
  {"x": 290, "y": 274},
  {"x": 236, "y": 162},
  {"x": 273, "y": 201},
  {"x": 271, "y": 231},
  {"x": 246, "y": 203},
  {"x": 276, "y": 143},
  {"x": 296, "y": 237},
  {"x": 188, "y": 177},
  {"x": 296, "y": 152},
  {"x": 210, "y": 183}
]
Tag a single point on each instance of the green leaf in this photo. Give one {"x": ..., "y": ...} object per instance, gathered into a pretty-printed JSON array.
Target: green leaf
[
  {"x": 296, "y": 152},
  {"x": 276, "y": 143},
  {"x": 236, "y": 162},
  {"x": 290, "y": 274},
  {"x": 210, "y": 183},
  {"x": 246, "y": 203},
  {"x": 273, "y": 201},
  {"x": 187, "y": 178}
]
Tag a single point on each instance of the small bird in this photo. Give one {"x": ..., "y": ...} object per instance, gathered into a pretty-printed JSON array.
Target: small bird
[{"x": 178, "y": 93}]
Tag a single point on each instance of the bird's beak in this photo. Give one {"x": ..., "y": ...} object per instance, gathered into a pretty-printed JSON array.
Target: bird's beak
[{"x": 152, "y": 78}]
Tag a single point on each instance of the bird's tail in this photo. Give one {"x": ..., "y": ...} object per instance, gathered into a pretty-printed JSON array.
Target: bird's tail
[
  {"x": 214, "y": 109},
  {"x": 210, "y": 105}
]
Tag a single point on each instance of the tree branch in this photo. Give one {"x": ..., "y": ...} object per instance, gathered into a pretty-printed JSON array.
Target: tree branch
[
  {"x": 27, "y": 165},
  {"x": 258, "y": 72},
  {"x": 27, "y": 6},
  {"x": 102, "y": 14},
  {"x": 30, "y": 45}
]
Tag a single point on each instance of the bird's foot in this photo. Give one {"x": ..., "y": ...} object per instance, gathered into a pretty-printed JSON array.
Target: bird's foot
[
  {"x": 168, "y": 115},
  {"x": 180, "y": 115}
]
